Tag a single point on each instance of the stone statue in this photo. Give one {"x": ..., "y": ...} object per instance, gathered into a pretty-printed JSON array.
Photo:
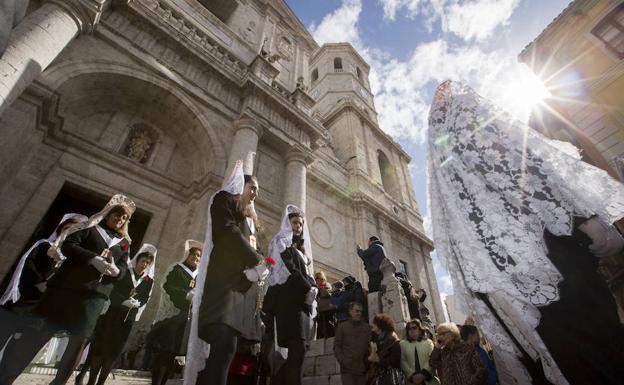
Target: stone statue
[{"x": 139, "y": 145}]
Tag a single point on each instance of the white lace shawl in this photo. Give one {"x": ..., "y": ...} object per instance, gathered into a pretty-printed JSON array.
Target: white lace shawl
[
  {"x": 198, "y": 350},
  {"x": 283, "y": 240},
  {"x": 149, "y": 248},
  {"x": 494, "y": 186},
  {"x": 12, "y": 292}
]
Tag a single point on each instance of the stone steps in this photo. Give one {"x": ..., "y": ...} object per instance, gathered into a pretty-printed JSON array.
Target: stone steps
[{"x": 320, "y": 366}]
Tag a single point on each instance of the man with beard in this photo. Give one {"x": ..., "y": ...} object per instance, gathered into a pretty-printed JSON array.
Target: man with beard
[
  {"x": 290, "y": 297},
  {"x": 228, "y": 299}
]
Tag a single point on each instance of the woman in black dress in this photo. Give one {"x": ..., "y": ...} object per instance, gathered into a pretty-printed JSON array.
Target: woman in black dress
[
  {"x": 29, "y": 278},
  {"x": 166, "y": 339},
  {"x": 96, "y": 254},
  {"x": 130, "y": 294}
]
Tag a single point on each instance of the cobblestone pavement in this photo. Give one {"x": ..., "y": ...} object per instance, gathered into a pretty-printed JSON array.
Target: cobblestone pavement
[{"x": 44, "y": 379}]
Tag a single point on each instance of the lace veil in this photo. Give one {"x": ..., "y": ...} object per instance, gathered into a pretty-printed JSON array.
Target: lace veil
[
  {"x": 12, "y": 292},
  {"x": 282, "y": 241},
  {"x": 494, "y": 186},
  {"x": 198, "y": 349}
]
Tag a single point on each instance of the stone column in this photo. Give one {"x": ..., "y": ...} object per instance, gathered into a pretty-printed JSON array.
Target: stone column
[
  {"x": 245, "y": 144},
  {"x": 39, "y": 39},
  {"x": 296, "y": 173}
]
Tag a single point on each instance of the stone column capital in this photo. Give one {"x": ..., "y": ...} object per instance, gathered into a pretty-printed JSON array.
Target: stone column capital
[
  {"x": 86, "y": 13},
  {"x": 250, "y": 124},
  {"x": 299, "y": 154}
]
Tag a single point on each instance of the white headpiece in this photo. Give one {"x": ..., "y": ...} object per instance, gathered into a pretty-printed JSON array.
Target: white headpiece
[
  {"x": 94, "y": 220},
  {"x": 191, "y": 244},
  {"x": 494, "y": 186},
  {"x": 198, "y": 350},
  {"x": 12, "y": 292},
  {"x": 145, "y": 248},
  {"x": 282, "y": 241}
]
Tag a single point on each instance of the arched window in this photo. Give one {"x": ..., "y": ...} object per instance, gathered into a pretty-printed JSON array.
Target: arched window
[
  {"x": 140, "y": 142},
  {"x": 314, "y": 75},
  {"x": 388, "y": 175},
  {"x": 337, "y": 63},
  {"x": 610, "y": 31},
  {"x": 358, "y": 72}
]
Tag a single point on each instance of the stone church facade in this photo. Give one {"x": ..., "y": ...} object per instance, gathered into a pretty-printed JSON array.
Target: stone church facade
[{"x": 158, "y": 98}]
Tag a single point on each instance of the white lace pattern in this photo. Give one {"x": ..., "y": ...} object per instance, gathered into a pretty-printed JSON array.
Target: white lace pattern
[{"x": 494, "y": 186}]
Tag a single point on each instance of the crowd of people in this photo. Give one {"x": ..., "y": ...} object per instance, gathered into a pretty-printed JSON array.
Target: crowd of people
[{"x": 523, "y": 257}]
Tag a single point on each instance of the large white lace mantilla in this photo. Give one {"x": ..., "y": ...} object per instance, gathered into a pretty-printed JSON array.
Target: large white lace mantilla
[{"x": 494, "y": 186}]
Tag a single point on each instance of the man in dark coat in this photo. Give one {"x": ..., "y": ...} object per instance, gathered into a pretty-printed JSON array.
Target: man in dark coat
[
  {"x": 372, "y": 258},
  {"x": 228, "y": 303},
  {"x": 96, "y": 256},
  {"x": 289, "y": 303}
]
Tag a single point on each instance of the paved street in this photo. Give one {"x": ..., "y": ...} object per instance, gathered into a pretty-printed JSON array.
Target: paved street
[{"x": 120, "y": 379}]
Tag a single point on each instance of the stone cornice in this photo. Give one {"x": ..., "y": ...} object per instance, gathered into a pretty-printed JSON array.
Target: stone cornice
[
  {"x": 366, "y": 201},
  {"x": 299, "y": 153},
  {"x": 359, "y": 199},
  {"x": 177, "y": 27},
  {"x": 86, "y": 13}
]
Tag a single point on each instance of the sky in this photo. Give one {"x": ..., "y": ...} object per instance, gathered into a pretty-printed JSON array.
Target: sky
[{"x": 413, "y": 45}]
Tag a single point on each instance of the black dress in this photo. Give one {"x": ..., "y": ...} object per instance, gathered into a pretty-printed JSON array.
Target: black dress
[
  {"x": 77, "y": 293},
  {"x": 582, "y": 330},
  {"x": 167, "y": 335},
  {"x": 113, "y": 328},
  {"x": 38, "y": 268},
  {"x": 286, "y": 302}
]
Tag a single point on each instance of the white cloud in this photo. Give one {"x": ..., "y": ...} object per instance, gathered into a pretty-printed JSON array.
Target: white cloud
[
  {"x": 477, "y": 19},
  {"x": 469, "y": 20},
  {"x": 391, "y": 7},
  {"x": 403, "y": 88},
  {"x": 340, "y": 25}
]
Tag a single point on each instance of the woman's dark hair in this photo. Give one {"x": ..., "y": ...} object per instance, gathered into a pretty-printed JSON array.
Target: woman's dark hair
[
  {"x": 415, "y": 323},
  {"x": 145, "y": 255},
  {"x": 466, "y": 331},
  {"x": 384, "y": 322},
  {"x": 119, "y": 209},
  {"x": 193, "y": 249},
  {"x": 249, "y": 178},
  {"x": 63, "y": 224}
]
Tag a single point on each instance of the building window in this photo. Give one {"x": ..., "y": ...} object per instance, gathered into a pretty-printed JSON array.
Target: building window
[
  {"x": 314, "y": 75},
  {"x": 610, "y": 31},
  {"x": 337, "y": 64},
  {"x": 140, "y": 143},
  {"x": 403, "y": 267},
  {"x": 358, "y": 72},
  {"x": 388, "y": 175}
]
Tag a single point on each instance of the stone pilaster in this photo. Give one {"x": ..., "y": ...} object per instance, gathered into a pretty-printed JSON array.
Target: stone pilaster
[
  {"x": 40, "y": 38},
  {"x": 245, "y": 144},
  {"x": 297, "y": 160}
]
